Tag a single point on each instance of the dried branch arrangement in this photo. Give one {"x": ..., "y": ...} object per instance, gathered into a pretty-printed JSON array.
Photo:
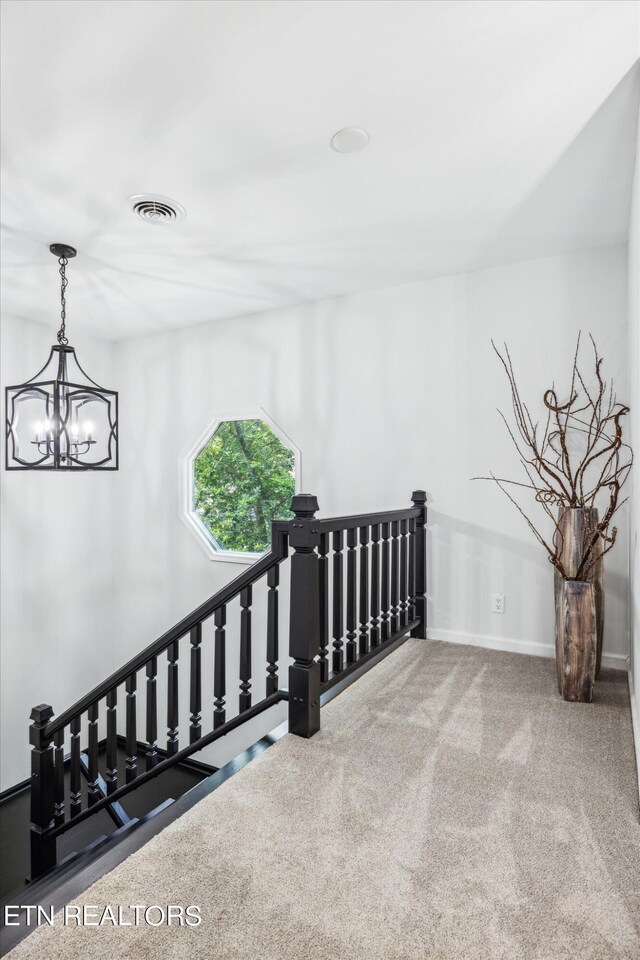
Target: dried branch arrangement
[{"x": 576, "y": 458}]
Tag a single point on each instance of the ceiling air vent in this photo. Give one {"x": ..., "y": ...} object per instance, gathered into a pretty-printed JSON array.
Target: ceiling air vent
[{"x": 155, "y": 209}]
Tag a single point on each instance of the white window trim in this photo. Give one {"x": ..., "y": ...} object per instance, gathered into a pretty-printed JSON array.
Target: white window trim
[{"x": 186, "y": 513}]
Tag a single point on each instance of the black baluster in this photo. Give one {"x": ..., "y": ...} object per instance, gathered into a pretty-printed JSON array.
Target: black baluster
[
  {"x": 338, "y": 605},
  {"x": 173, "y": 740},
  {"x": 364, "y": 591},
  {"x": 151, "y": 749},
  {"x": 273, "y": 626},
  {"x": 111, "y": 778},
  {"x": 195, "y": 679},
  {"x": 384, "y": 598},
  {"x": 58, "y": 787},
  {"x": 403, "y": 573},
  {"x": 352, "y": 647},
  {"x": 131, "y": 738},
  {"x": 375, "y": 585},
  {"x": 245, "y": 650},
  {"x": 419, "y": 498},
  {"x": 323, "y": 576},
  {"x": 93, "y": 790},
  {"x": 394, "y": 578},
  {"x": 75, "y": 774},
  {"x": 43, "y": 848},
  {"x": 412, "y": 568},
  {"x": 220, "y": 668}
]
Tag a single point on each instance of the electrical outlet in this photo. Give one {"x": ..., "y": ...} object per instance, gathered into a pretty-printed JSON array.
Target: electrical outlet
[{"x": 497, "y": 605}]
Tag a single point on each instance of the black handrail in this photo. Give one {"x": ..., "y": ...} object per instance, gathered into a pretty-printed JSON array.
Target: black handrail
[
  {"x": 277, "y": 553},
  {"x": 332, "y": 524}
]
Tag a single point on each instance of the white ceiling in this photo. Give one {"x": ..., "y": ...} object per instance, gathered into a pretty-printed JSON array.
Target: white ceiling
[{"x": 500, "y": 129}]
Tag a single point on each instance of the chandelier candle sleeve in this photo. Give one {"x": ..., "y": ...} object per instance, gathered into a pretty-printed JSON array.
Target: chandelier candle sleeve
[{"x": 61, "y": 419}]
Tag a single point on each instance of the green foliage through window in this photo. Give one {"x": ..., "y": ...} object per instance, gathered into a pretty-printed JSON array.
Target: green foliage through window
[{"x": 244, "y": 478}]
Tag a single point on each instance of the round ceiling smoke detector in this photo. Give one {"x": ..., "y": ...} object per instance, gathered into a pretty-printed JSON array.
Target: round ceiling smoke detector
[
  {"x": 349, "y": 140},
  {"x": 152, "y": 208}
]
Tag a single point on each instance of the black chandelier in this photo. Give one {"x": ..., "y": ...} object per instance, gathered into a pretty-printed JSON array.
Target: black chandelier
[{"x": 65, "y": 421}]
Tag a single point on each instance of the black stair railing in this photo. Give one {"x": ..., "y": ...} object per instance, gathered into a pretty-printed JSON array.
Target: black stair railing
[
  {"x": 377, "y": 603},
  {"x": 379, "y": 595}
]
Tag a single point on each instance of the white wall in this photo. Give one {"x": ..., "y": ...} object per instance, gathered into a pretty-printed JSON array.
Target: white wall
[
  {"x": 56, "y": 563},
  {"x": 634, "y": 375},
  {"x": 382, "y": 392}
]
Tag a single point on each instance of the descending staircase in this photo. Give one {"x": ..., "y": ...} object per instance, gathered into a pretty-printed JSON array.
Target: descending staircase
[
  {"x": 368, "y": 600},
  {"x": 95, "y": 833}
]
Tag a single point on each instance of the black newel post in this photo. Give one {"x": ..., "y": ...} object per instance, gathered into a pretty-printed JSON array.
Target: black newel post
[
  {"x": 304, "y": 627},
  {"x": 43, "y": 848},
  {"x": 419, "y": 499}
]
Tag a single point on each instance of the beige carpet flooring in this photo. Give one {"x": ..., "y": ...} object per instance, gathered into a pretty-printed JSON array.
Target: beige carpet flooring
[{"x": 451, "y": 807}]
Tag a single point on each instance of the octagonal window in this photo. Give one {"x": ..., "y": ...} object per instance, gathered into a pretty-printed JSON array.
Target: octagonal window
[{"x": 243, "y": 477}]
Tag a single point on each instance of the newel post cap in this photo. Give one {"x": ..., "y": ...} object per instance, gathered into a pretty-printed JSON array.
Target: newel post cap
[
  {"x": 42, "y": 714},
  {"x": 419, "y": 496},
  {"x": 304, "y": 505}
]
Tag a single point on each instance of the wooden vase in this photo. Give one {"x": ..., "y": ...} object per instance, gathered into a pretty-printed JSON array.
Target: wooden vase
[
  {"x": 576, "y": 639},
  {"x": 576, "y": 524}
]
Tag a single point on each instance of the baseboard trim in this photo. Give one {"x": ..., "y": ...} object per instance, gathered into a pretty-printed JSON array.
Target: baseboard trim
[
  {"x": 15, "y": 790},
  {"x": 618, "y": 661},
  {"x": 635, "y": 726}
]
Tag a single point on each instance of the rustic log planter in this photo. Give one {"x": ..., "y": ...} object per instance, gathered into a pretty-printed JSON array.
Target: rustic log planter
[
  {"x": 576, "y": 640},
  {"x": 575, "y": 527},
  {"x": 575, "y": 458}
]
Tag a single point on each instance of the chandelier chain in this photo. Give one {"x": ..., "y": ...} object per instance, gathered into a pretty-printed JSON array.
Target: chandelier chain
[{"x": 62, "y": 340}]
